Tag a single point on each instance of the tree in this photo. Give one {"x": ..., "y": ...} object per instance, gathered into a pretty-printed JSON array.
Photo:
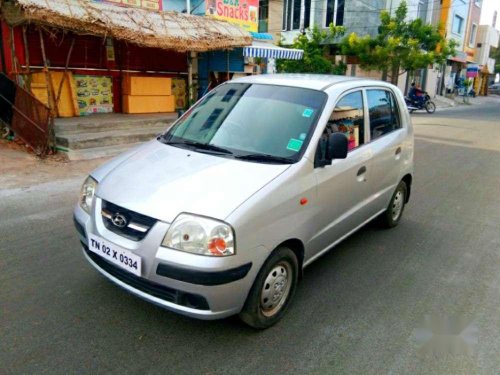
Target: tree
[
  {"x": 495, "y": 54},
  {"x": 313, "y": 43},
  {"x": 400, "y": 46}
]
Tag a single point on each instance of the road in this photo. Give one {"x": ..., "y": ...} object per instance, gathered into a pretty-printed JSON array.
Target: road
[{"x": 356, "y": 311}]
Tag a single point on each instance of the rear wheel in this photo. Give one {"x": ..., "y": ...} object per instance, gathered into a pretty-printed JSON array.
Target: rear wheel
[
  {"x": 392, "y": 215},
  {"x": 272, "y": 290},
  {"x": 430, "y": 107}
]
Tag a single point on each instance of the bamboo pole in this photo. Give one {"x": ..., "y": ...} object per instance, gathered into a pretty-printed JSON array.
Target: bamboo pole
[
  {"x": 27, "y": 57},
  {"x": 50, "y": 88},
  {"x": 61, "y": 84},
  {"x": 15, "y": 62}
]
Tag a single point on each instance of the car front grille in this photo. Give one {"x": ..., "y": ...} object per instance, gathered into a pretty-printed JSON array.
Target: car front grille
[
  {"x": 160, "y": 291},
  {"x": 136, "y": 226}
]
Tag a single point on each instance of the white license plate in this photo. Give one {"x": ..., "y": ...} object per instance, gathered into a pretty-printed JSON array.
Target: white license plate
[{"x": 115, "y": 254}]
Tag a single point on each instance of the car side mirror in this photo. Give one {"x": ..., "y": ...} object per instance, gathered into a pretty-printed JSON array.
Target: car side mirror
[{"x": 337, "y": 146}]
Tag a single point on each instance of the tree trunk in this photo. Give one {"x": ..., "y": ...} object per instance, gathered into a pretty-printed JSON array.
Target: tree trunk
[{"x": 395, "y": 74}]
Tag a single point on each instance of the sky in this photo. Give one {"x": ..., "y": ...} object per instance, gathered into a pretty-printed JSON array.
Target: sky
[{"x": 489, "y": 6}]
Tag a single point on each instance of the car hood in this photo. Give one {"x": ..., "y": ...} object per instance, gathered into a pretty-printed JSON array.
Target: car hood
[{"x": 162, "y": 181}]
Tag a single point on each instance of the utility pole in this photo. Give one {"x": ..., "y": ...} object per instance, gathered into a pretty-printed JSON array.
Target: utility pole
[{"x": 302, "y": 15}]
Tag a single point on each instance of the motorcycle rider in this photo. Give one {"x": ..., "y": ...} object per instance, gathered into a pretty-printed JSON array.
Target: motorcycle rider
[{"x": 417, "y": 95}]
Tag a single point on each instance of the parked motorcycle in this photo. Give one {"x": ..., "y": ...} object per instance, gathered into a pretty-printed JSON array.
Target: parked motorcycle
[{"x": 427, "y": 104}]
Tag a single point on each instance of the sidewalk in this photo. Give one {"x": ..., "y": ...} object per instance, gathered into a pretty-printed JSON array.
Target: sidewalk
[
  {"x": 20, "y": 169},
  {"x": 444, "y": 102}
]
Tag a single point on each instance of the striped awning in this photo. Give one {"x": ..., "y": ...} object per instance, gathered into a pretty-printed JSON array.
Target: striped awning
[{"x": 269, "y": 50}]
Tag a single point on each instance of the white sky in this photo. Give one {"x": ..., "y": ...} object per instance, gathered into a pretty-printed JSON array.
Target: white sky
[{"x": 489, "y": 6}]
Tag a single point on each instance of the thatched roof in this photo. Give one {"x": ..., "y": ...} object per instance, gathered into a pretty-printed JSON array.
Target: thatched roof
[{"x": 166, "y": 30}]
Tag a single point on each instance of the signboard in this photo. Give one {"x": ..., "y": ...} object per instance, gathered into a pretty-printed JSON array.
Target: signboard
[
  {"x": 94, "y": 94},
  {"x": 179, "y": 90},
  {"x": 244, "y": 13},
  {"x": 472, "y": 71},
  {"x": 146, "y": 4}
]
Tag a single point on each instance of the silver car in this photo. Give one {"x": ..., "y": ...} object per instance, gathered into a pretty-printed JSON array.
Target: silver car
[
  {"x": 220, "y": 215},
  {"x": 494, "y": 89}
]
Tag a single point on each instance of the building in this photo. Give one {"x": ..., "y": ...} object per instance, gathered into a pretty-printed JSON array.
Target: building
[
  {"x": 487, "y": 37},
  {"x": 454, "y": 16},
  {"x": 361, "y": 17}
]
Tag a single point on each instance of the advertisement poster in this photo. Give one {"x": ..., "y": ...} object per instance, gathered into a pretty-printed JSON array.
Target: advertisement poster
[
  {"x": 146, "y": 4},
  {"x": 244, "y": 13},
  {"x": 179, "y": 90},
  {"x": 94, "y": 94}
]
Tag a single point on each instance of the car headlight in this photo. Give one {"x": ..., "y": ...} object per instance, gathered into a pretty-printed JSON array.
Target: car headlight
[
  {"x": 200, "y": 235},
  {"x": 87, "y": 194}
]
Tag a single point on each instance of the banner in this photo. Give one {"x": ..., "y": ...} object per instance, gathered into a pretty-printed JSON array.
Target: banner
[
  {"x": 244, "y": 13},
  {"x": 94, "y": 94},
  {"x": 146, "y": 4},
  {"x": 472, "y": 71}
]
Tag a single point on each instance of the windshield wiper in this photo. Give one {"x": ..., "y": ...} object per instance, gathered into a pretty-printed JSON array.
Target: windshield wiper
[
  {"x": 265, "y": 158},
  {"x": 200, "y": 146}
]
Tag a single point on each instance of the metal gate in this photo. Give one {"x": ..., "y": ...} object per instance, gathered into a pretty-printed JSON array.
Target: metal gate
[{"x": 26, "y": 116}]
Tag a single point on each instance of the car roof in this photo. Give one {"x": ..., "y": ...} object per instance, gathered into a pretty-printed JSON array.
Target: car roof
[{"x": 309, "y": 81}]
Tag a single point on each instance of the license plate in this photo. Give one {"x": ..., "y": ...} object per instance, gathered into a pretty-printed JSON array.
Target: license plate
[{"x": 121, "y": 257}]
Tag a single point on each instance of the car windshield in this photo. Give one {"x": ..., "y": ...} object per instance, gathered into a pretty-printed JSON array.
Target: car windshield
[{"x": 262, "y": 123}]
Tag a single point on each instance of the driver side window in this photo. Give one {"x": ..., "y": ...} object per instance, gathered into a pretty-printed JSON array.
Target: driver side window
[{"x": 347, "y": 118}]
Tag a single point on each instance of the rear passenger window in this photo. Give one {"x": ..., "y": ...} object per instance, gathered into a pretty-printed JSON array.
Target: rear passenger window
[{"x": 384, "y": 113}]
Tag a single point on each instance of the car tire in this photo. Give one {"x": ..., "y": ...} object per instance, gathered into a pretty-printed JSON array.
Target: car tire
[
  {"x": 279, "y": 274},
  {"x": 392, "y": 216}
]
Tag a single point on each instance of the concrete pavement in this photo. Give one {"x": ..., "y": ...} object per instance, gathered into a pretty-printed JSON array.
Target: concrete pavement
[{"x": 356, "y": 310}]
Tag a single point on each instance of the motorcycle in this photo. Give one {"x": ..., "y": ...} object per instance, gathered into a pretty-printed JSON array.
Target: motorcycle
[{"x": 427, "y": 104}]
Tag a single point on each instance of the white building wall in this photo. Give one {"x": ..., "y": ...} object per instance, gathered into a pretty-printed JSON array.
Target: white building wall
[
  {"x": 487, "y": 37},
  {"x": 413, "y": 8}
]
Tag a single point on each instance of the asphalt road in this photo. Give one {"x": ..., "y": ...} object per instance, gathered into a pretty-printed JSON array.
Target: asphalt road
[{"x": 357, "y": 310}]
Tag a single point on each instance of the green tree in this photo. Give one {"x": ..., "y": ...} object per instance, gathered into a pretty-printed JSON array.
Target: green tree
[
  {"x": 400, "y": 46},
  {"x": 495, "y": 54},
  {"x": 314, "y": 44}
]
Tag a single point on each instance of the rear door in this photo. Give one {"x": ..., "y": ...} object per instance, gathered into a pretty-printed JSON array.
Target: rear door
[{"x": 387, "y": 136}]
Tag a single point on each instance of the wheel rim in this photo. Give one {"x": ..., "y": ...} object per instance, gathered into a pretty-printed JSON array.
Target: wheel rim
[
  {"x": 431, "y": 107},
  {"x": 276, "y": 288},
  {"x": 397, "y": 205}
]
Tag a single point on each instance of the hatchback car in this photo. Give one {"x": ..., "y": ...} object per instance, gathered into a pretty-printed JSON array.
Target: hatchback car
[
  {"x": 494, "y": 89},
  {"x": 221, "y": 213}
]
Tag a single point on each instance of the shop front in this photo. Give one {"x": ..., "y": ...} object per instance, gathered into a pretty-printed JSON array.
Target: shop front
[
  {"x": 98, "y": 61},
  {"x": 81, "y": 67}
]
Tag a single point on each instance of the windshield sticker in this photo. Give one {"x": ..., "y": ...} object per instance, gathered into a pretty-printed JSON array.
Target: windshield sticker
[
  {"x": 302, "y": 136},
  {"x": 294, "y": 144},
  {"x": 307, "y": 112}
]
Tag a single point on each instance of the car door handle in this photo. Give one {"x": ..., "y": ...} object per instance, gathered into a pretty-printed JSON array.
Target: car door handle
[
  {"x": 398, "y": 153},
  {"x": 361, "y": 176}
]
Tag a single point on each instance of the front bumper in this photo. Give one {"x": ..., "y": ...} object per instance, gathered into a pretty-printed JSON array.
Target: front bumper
[{"x": 193, "y": 285}]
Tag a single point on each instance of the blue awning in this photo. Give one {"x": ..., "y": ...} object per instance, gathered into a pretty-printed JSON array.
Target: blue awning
[
  {"x": 261, "y": 36},
  {"x": 268, "y": 50}
]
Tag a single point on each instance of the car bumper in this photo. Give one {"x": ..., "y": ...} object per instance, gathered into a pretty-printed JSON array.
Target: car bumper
[{"x": 193, "y": 285}]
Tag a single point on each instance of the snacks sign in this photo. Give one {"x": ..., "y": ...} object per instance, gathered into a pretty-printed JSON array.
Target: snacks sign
[
  {"x": 146, "y": 4},
  {"x": 244, "y": 13}
]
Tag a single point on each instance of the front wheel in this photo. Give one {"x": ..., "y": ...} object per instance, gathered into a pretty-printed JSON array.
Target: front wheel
[
  {"x": 272, "y": 290},
  {"x": 430, "y": 107}
]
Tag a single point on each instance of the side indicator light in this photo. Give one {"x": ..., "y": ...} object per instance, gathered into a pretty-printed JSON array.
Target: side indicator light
[{"x": 303, "y": 201}]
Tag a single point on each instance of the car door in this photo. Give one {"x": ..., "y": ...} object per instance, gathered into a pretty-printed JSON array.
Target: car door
[
  {"x": 344, "y": 186},
  {"x": 387, "y": 136}
]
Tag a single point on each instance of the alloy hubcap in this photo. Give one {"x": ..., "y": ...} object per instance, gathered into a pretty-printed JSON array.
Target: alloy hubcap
[
  {"x": 397, "y": 205},
  {"x": 275, "y": 289}
]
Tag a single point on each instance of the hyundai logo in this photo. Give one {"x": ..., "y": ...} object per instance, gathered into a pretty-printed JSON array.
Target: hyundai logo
[{"x": 119, "y": 220}]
